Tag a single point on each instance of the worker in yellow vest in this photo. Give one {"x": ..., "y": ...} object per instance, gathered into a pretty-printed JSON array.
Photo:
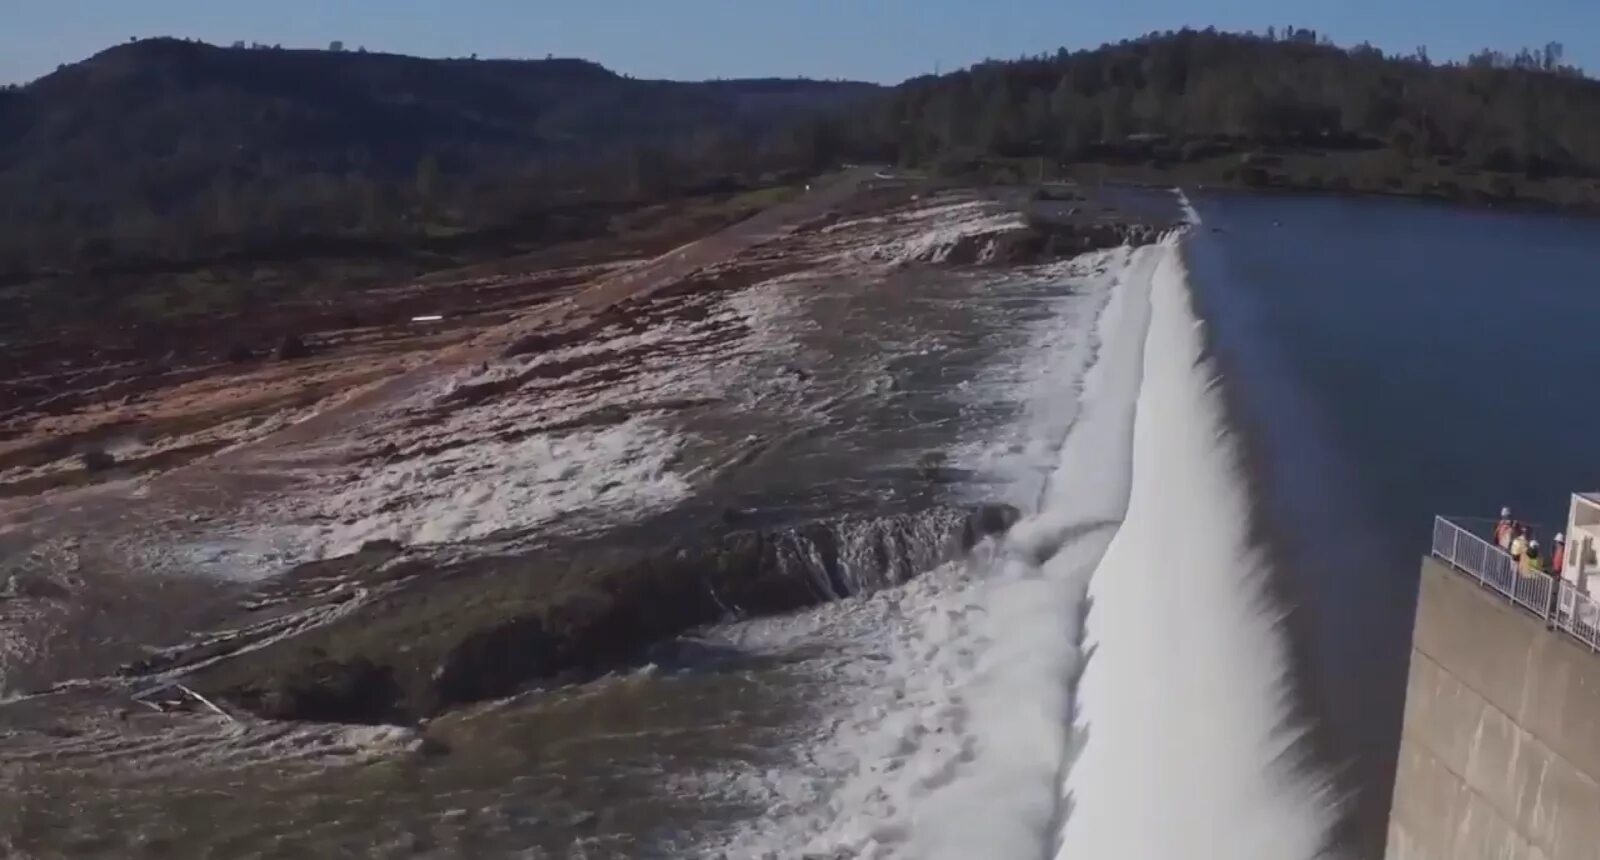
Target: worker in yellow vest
[{"x": 1531, "y": 562}]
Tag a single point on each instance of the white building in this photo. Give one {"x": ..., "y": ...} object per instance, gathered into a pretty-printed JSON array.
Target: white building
[{"x": 1581, "y": 567}]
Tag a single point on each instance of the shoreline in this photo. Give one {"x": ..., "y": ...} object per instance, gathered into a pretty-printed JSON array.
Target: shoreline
[
  {"x": 1589, "y": 211},
  {"x": 1520, "y": 205}
]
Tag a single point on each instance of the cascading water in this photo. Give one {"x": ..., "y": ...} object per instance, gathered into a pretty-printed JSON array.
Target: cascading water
[
  {"x": 1183, "y": 704},
  {"x": 1018, "y": 699},
  {"x": 1104, "y": 681},
  {"x": 1108, "y": 679},
  {"x": 846, "y": 558}
]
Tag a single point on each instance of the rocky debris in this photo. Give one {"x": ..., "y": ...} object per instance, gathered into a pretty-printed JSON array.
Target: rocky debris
[
  {"x": 97, "y": 460},
  {"x": 291, "y": 347},
  {"x": 1037, "y": 242},
  {"x": 492, "y": 626},
  {"x": 1044, "y": 241},
  {"x": 37, "y": 586},
  {"x": 282, "y": 606},
  {"x": 387, "y": 547},
  {"x": 547, "y": 340},
  {"x": 429, "y": 746},
  {"x": 986, "y": 521},
  {"x": 333, "y": 691}
]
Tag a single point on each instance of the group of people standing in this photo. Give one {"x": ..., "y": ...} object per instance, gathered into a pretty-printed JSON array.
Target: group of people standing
[{"x": 1517, "y": 540}]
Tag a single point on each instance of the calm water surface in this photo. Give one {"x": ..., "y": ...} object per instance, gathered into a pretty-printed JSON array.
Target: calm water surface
[{"x": 1393, "y": 360}]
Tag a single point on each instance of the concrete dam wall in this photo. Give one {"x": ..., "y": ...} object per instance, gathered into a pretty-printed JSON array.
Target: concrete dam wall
[{"x": 1500, "y": 749}]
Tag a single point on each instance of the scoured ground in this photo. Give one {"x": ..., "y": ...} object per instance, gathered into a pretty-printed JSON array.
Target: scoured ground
[{"x": 756, "y": 436}]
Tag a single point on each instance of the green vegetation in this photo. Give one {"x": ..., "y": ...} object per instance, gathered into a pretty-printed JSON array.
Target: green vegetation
[
  {"x": 168, "y": 157},
  {"x": 1274, "y": 110},
  {"x": 168, "y": 152}
]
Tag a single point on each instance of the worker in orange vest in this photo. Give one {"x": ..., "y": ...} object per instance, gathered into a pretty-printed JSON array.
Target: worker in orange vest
[
  {"x": 1558, "y": 560},
  {"x": 1503, "y": 529}
]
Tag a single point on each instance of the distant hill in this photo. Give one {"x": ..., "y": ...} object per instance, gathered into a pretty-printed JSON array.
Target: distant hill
[
  {"x": 164, "y": 147},
  {"x": 1512, "y": 124},
  {"x": 166, "y": 150}
]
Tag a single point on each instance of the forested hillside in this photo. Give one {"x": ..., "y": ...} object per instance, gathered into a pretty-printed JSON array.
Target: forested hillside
[
  {"x": 171, "y": 149},
  {"x": 1526, "y": 114},
  {"x": 166, "y": 150}
]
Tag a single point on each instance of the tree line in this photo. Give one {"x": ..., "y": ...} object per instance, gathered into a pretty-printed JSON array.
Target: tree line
[
  {"x": 1526, "y": 112},
  {"x": 172, "y": 164},
  {"x": 281, "y": 208},
  {"x": 171, "y": 150}
]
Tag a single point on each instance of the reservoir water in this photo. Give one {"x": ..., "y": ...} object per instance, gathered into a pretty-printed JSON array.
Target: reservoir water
[{"x": 1390, "y": 361}]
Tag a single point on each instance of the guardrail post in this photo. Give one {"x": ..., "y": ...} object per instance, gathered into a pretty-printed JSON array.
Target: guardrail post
[
  {"x": 1539, "y": 592},
  {"x": 1483, "y": 566}
]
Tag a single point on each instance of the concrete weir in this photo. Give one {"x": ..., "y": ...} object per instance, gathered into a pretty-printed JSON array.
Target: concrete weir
[{"x": 1500, "y": 750}]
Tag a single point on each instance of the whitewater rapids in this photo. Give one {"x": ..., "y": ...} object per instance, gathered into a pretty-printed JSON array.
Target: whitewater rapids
[
  {"x": 1184, "y": 703},
  {"x": 1111, "y": 681}
]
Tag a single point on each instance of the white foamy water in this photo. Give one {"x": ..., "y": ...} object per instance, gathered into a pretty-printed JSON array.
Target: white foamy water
[
  {"x": 474, "y": 491},
  {"x": 964, "y": 729},
  {"x": 954, "y": 687},
  {"x": 1004, "y": 803},
  {"x": 1190, "y": 214},
  {"x": 548, "y": 449},
  {"x": 1045, "y": 378},
  {"x": 552, "y": 448},
  {"x": 1185, "y": 700}
]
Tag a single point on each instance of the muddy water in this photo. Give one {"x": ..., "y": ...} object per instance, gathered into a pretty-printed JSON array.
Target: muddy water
[
  {"x": 608, "y": 769},
  {"x": 862, "y": 395}
]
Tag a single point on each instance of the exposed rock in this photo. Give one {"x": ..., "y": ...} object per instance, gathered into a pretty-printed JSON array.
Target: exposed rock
[
  {"x": 428, "y": 745},
  {"x": 97, "y": 460},
  {"x": 495, "y": 661},
  {"x": 545, "y": 341},
  {"x": 272, "y": 608},
  {"x": 291, "y": 347},
  {"x": 333, "y": 691},
  {"x": 467, "y": 634},
  {"x": 387, "y": 546},
  {"x": 1040, "y": 241},
  {"x": 35, "y": 585},
  {"x": 986, "y": 521}
]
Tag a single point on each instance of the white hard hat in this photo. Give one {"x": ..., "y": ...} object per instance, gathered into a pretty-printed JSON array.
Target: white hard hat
[
  {"x": 1505, "y": 512},
  {"x": 1533, "y": 544},
  {"x": 1560, "y": 538}
]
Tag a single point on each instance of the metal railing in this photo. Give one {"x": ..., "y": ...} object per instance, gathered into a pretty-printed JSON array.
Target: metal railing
[
  {"x": 1570, "y": 611},
  {"x": 1577, "y": 615}
]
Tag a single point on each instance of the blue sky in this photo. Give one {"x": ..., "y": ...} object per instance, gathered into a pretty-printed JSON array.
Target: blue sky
[{"x": 879, "y": 40}]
